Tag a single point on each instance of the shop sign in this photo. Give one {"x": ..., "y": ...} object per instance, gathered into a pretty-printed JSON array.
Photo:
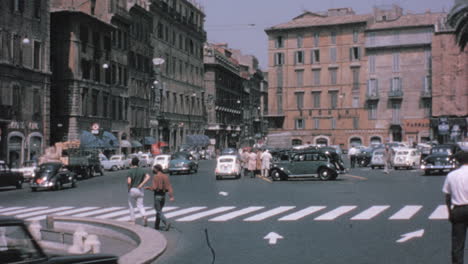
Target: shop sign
[
  {"x": 95, "y": 128},
  {"x": 443, "y": 126},
  {"x": 416, "y": 125},
  {"x": 23, "y": 125}
]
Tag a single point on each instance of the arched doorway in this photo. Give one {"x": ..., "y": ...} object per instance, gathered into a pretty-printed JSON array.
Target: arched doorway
[
  {"x": 375, "y": 140},
  {"x": 296, "y": 142},
  {"x": 15, "y": 151},
  {"x": 355, "y": 142},
  {"x": 321, "y": 142},
  {"x": 35, "y": 147},
  {"x": 396, "y": 133}
]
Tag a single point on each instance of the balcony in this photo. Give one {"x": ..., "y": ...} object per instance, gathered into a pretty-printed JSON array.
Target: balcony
[
  {"x": 396, "y": 121},
  {"x": 372, "y": 96},
  {"x": 426, "y": 94},
  {"x": 395, "y": 95}
]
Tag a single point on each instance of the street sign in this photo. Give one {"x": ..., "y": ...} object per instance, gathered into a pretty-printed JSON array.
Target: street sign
[
  {"x": 272, "y": 238},
  {"x": 411, "y": 235},
  {"x": 95, "y": 128}
]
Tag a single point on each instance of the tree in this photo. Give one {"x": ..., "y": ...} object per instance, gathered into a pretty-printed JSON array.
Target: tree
[{"x": 458, "y": 19}]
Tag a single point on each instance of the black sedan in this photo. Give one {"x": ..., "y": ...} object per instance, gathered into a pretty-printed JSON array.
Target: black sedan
[
  {"x": 9, "y": 177},
  {"x": 53, "y": 176},
  {"x": 441, "y": 159}
]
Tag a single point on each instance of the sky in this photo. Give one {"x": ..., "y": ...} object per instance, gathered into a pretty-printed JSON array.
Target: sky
[{"x": 241, "y": 23}]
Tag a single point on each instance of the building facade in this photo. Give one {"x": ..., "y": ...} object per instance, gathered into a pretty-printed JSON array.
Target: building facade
[
  {"x": 224, "y": 90},
  {"x": 338, "y": 78},
  {"x": 178, "y": 38},
  {"x": 24, "y": 80}
]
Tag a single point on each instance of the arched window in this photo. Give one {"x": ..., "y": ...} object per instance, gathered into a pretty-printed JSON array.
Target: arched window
[
  {"x": 375, "y": 140},
  {"x": 322, "y": 141},
  {"x": 296, "y": 142},
  {"x": 355, "y": 141}
]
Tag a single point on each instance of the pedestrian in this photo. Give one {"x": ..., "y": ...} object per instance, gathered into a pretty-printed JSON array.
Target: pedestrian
[
  {"x": 456, "y": 197},
  {"x": 266, "y": 162},
  {"x": 160, "y": 186},
  {"x": 258, "y": 169},
  {"x": 387, "y": 157},
  {"x": 136, "y": 179},
  {"x": 245, "y": 161},
  {"x": 352, "y": 155},
  {"x": 252, "y": 163}
]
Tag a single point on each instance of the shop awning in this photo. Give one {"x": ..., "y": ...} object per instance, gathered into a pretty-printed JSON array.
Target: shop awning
[
  {"x": 125, "y": 144},
  {"x": 136, "y": 144},
  {"x": 110, "y": 140},
  {"x": 197, "y": 140},
  {"x": 149, "y": 141},
  {"x": 107, "y": 141}
]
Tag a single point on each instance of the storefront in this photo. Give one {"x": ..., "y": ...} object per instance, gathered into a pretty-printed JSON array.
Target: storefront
[
  {"x": 449, "y": 129},
  {"x": 24, "y": 142}
]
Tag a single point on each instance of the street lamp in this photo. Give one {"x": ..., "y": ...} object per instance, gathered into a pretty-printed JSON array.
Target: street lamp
[{"x": 157, "y": 62}]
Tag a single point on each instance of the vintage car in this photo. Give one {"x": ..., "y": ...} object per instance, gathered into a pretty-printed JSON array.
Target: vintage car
[
  {"x": 17, "y": 245},
  {"x": 228, "y": 166},
  {"x": 53, "y": 176},
  {"x": 162, "y": 160},
  {"x": 377, "y": 160},
  {"x": 307, "y": 163},
  {"x": 182, "y": 162},
  {"x": 408, "y": 158},
  {"x": 9, "y": 177},
  {"x": 142, "y": 162},
  {"x": 27, "y": 169},
  {"x": 441, "y": 159},
  {"x": 425, "y": 149},
  {"x": 146, "y": 158},
  {"x": 119, "y": 162},
  {"x": 363, "y": 158}
]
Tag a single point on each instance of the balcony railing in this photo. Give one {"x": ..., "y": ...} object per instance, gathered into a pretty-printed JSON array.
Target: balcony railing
[
  {"x": 426, "y": 94},
  {"x": 372, "y": 96},
  {"x": 395, "y": 94}
]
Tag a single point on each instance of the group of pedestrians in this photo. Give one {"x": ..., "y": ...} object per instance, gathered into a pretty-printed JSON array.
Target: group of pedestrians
[
  {"x": 387, "y": 157},
  {"x": 160, "y": 185},
  {"x": 256, "y": 162}
]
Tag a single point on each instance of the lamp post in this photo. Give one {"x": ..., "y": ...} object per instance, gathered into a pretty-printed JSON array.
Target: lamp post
[{"x": 157, "y": 62}]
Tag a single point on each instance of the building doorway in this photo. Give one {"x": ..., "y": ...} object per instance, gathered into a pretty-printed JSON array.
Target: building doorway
[
  {"x": 396, "y": 133},
  {"x": 355, "y": 142},
  {"x": 322, "y": 142},
  {"x": 296, "y": 142}
]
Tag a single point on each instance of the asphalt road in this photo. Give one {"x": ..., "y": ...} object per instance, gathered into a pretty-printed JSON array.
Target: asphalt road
[{"x": 356, "y": 219}]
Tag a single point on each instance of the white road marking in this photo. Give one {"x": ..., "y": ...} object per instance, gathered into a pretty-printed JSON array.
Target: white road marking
[
  {"x": 232, "y": 215},
  {"x": 406, "y": 212},
  {"x": 302, "y": 213},
  {"x": 41, "y": 215},
  {"x": 25, "y": 210},
  {"x": 269, "y": 213},
  {"x": 10, "y": 209},
  {"x": 206, "y": 213},
  {"x": 272, "y": 238},
  {"x": 149, "y": 212},
  {"x": 371, "y": 212},
  {"x": 118, "y": 213},
  {"x": 408, "y": 236},
  {"x": 185, "y": 211},
  {"x": 335, "y": 213},
  {"x": 440, "y": 213},
  {"x": 97, "y": 212},
  {"x": 165, "y": 209}
]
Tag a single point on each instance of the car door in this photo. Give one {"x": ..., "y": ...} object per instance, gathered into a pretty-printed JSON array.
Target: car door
[
  {"x": 298, "y": 166},
  {"x": 63, "y": 175}
]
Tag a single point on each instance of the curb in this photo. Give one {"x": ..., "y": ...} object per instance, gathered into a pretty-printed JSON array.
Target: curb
[{"x": 150, "y": 243}]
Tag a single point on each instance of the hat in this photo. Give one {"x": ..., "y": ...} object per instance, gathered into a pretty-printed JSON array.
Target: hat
[{"x": 461, "y": 157}]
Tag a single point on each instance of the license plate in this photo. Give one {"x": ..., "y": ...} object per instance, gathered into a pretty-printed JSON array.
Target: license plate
[{"x": 437, "y": 163}]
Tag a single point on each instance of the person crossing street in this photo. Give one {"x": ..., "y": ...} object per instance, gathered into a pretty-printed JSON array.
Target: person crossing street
[
  {"x": 136, "y": 179},
  {"x": 160, "y": 186}
]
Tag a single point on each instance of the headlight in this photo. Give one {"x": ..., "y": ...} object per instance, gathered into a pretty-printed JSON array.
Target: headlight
[{"x": 50, "y": 184}]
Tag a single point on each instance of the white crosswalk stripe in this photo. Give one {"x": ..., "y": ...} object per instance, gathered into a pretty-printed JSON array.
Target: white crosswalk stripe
[
  {"x": 153, "y": 212},
  {"x": 204, "y": 214},
  {"x": 185, "y": 211},
  {"x": 440, "y": 213},
  {"x": 406, "y": 212},
  {"x": 10, "y": 209},
  {"x": 97, "y": 212},
  {"x": 41, "y": 215},
  {"x": 16, "y": 212},
  {"x": 270, "y": 213},
  {"x": 370, "y": 213},
  {"x": 232, "y": 215},
  {"x": 332, "y": 215},
  {"x": 78, "y": 210},
  {"x": 118, "y": 213},
  {"x": 302, "y": 213},
  {"x": 149, "y": 213}
]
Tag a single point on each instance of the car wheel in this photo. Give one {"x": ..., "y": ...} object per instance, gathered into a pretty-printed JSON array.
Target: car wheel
[
  {"x": 325, "y": 174},
  {"x": 73, "y": 184},
  {"x": 33, "y": 189},
  {"x": 58, "y": 186},
  {"x": 427, "y": 172},
  {"x": 275, "y": 175},
  {"x": 218, "y": 177},
  {"x": 19, "y": 184},
  {"x": 114, "y": 168},
  {"x": 372, "y": 167}
]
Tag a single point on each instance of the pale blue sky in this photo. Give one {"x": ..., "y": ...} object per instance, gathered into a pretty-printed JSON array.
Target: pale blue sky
[{"x": 228, "y": 20}]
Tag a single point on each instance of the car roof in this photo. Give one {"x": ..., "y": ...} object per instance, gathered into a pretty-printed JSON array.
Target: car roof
[{"x": 227, "y": 156}]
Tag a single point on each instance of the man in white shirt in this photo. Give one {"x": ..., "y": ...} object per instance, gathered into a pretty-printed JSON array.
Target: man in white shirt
[
  {"x": 266, "y": 162},
  {"x": 456, "y": 198},
  {"x": 352, "y": 155}
]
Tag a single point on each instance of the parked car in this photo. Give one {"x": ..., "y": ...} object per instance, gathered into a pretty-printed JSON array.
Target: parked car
[
  {"x": 162, "y": 160},
  {"x": 119, "y": 162},
  {"x": 363, "y": 158},
  {"x": 146, "y": 158},
  {"x": 228, "y": 166},
  {"x": 182, "y": 162},
  {"x": 229, "y": 151},
  {"x": 425, "y": 149},
  {"x": 9, "y": 177},
  {"x": 27, "y": 170},
  {"x": 406, "y": 158},
  {"x": 141, "y": 163},
  {"x": 17, "y": 245},
  {"x": 307, "y": 163},
  {"x": 53, "y": 176},
  {"x": 441, "y": 159},
  {"x": 106, "y": 164},
  {"x": 377, "y": 160}
]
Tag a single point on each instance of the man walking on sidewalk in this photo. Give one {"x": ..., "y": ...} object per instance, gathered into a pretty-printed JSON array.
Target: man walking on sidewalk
[
  {"x": 456, "y": 195},
  {"x": 136, "y": 179}
]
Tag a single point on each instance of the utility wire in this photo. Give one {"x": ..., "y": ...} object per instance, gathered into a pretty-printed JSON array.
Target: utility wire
[{"x": 209, "y": 245}]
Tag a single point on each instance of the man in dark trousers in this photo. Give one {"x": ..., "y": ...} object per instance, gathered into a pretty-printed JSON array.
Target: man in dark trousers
[
  {"x": 160, "y": 186},
  {"x": 456, "y": 198}
]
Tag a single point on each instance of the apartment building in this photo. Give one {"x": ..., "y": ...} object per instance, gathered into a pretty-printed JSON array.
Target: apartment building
[
  {"x": 24, "y": 80},
  {"x": 340, "y": 78}
]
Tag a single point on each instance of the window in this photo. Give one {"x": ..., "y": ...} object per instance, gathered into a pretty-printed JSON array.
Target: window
[
  {"x": 316, "y": 74},
  {"x": 333, "y": 37},
  {"x": 279, "y": 102},
  {"x": 354, "y": 53},
  {"x": 299, "y": 124},
  {"x": 373, "y": 87},
  {"x": 372, "y": 111},
  {"x": 279, "y": 79},
  {"x": 333, "y": 99},
  {"x": 279, "y": 58},
  {"x": 355, "y": 122},
  {"x": 396, "y": 112},
  {"x": 427, "y": 84},
  {"x": 316, "y": 39},
  {"x": 296, "y": 142},
  {"x": 372, "y": 38},
  {"x": 300, "y": 100},
  {"x": 94, "y": 103},
  {"x": 300, "y": 40},
  {"x": 315, "y": 54},
  {"x": 333, "y": 76},
  {"x": 37, "y": 55},
  {"x": 37, "y": 8},
  {"x": 395, "y": 84},
  {"x": 355, "y": 102},
  {"x": 85, "y": 69},
  {"x": 355, "y": 78},
  {"x": 355, "y": 35},
  {"x": 17, "y": 102},
  {"x": 36, "y": 105},
  {"x": 316, "y": 123},
  {"x": 372, "y": 64},
  {"x": 300, "y": 78},
  {"x": 97, "y": 72},
  {"x": 279, "y": 43},
  {"x": 396, "y": 62},
  {"x": 105, "y": 105},
  {"x": 427, "y": 105},
  {"x": 428, "y": 58},
  {"x": 333, "y": 123},
  {"x": 333, "y": 55},
  {"x": 299, "y": 57},
  {"x": 18, "y": 6},
  {"x": 316, "y": 99}
]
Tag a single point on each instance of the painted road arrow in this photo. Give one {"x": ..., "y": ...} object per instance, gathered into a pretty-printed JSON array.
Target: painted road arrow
[
  {"x": 408, "y": 236},
  {"x": 272, "y": 238},
  {"x": 223, "y": 193}
]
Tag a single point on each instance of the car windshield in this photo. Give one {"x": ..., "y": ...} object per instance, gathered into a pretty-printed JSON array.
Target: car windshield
[
  {"x": 442, "y": 151},
  {"x": 29, "y": 164},
  {"x": 378, "y": 153},
  {"x": 180, "y": 156},
  {"x": 17, "y": 246},
  {"x": 51, "y": 167},
  {"x": 402, "y": 153},
  {"x": 226, "y": 160},
  {"x": 115, "y": 158},
  {"x": 161, "y": 158}
]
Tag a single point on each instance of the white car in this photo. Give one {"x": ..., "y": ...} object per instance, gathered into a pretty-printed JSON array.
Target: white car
[
  {"x": 163, "y": 160},
  {"x": 228, "y": 165},
  {"x": 148, "y": 159},
  {"x": 119, "y": 162},
  {"x": 142, "y": 162},
  {"x": 406, "y": 158},
  {"x": 28, "y": 170},
  {"x": 377, "y": 160}
]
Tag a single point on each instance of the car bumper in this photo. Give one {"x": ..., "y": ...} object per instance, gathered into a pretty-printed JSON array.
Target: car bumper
[
  {"x": 438, "y": 167},
  {"x": 179, "y": 169},
  {"x": 45, "y": 185}
]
